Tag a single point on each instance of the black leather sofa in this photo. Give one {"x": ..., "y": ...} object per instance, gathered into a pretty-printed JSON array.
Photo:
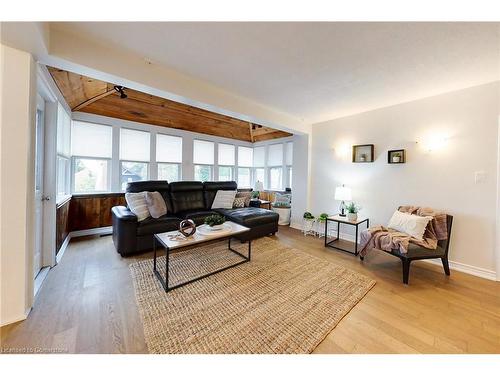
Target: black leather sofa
[{"x": 184, "y": 200}]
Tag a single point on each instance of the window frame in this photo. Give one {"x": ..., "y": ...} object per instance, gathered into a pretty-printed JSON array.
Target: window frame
[
  {"x": 148, "y": 171},
  {"x": 211, "y": 166},
  {"x": 269, "y": 169},
  {"x": 179, "y": 170},
  {"x": 73, "y": 160}
]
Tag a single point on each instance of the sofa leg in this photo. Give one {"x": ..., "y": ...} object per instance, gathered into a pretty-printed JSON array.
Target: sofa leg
[
  {"x": 406, "y": 270},
  {"x": 446, "y": 266}
]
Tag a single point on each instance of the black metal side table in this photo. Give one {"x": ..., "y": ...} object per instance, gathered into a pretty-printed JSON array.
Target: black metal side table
[{"x": 343, "y": 220}]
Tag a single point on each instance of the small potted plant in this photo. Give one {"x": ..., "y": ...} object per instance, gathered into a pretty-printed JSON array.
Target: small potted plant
[
  {"x": 308, "y": 224},
  {"x": 396, "y": 157},
  {"x": 215, "y": 222},
  {"x": 352, "y": 211}
]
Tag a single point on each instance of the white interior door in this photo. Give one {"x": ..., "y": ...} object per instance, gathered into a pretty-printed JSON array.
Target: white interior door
[{"x": 39, "y": 197}]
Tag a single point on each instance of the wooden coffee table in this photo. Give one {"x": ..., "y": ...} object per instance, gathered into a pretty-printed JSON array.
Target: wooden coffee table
[{"x": 195, "y": 240}]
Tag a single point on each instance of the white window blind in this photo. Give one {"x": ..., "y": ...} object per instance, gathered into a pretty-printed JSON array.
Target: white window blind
[
  {"x": 63, "y": 132},
  {"x": 168, "y": 149},
  {"x": 91, "y": 140},
  {"x": 134, "y": 145},
  {"x": 289, "y": 153},
  {"x": 203, "y": 152},
  {"x": 226, "y": 154},
  {"x": 245, "y": 156},
  {"x": 275, "y": 155},
  {"x": 259, "y": 156}
]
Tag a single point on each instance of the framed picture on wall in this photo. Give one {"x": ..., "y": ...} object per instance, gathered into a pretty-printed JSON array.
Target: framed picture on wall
[
  {"x": 363, "y": 153},
  {"x": 396, "y": 156}
]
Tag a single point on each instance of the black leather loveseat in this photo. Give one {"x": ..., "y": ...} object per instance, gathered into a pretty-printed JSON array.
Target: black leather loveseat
[{"x": 184, "y": 200}]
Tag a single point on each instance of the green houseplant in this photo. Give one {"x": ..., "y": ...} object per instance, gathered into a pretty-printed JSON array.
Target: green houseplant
[
  {"x": 352, "y": 211},
  {"x": 322, "y": 217},
  {"x": 215, "y": 222}
]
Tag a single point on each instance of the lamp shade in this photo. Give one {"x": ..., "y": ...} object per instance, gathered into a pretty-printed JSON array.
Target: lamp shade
[
  {"x": 259, "y": 186},
  {"x": 343, "y": 193}
]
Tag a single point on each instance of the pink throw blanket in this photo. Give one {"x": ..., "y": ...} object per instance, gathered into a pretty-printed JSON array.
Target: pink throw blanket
[{"x": 386, "y": 239}]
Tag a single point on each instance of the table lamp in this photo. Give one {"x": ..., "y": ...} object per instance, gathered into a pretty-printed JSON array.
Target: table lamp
[
  {"x": 259, "y": 186},
  {"x": 342, "y": 194}
]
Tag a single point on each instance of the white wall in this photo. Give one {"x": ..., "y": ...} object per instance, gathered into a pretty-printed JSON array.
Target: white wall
[
  {"x": 18, "y": 98},
  {"x": 443, "y": 179}
]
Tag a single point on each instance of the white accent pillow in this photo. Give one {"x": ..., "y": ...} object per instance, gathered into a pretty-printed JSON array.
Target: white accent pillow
[
  {"x": 156, "y": 204},
  {"x": 224, "y": 199},
  {"x": 137, "y": 204},
  {"x": 413, "y": 225}
]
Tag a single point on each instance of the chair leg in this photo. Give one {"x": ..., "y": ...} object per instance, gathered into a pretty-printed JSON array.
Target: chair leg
[
  {"x": 361, "y": 257},
  {"x": 446, "y": 266},
  {"x": 406, "y": 270}
]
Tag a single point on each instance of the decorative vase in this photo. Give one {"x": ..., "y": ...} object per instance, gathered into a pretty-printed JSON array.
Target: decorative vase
[
  {"x": 363, "y": 157},
  {"x": 396, "y": 159},
  {"x": 352, "y": 217},
  {"x": 187, "y": 227}
]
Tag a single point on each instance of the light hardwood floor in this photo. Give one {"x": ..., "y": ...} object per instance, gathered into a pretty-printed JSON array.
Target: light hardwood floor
[{"x": 87, "y": 305}]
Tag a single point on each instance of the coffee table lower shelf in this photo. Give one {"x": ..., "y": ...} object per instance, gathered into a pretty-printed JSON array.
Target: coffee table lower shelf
[{"x": 164, "y": 280}]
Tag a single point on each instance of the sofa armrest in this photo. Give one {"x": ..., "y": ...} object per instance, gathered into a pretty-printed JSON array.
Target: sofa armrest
[
  {"x": 123, "y": 213},
  {"x": 124, "y": 230}
]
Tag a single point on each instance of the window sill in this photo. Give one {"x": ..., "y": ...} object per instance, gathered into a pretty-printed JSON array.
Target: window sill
[
  {"x": 62, "y": 200},
  {"x": 98, "y": 195}
]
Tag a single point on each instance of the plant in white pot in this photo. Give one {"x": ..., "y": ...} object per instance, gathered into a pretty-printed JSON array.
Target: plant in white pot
[
  {"x": 215, "y": 222},
  {"x": 352, "y": 211}
]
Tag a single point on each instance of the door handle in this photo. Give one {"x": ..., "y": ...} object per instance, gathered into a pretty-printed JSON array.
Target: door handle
[{"x": 45, "y": 198}]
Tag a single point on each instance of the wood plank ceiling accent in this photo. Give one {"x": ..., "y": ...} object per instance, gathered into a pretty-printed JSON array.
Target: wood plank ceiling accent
[{"x": 85, "y": 94}]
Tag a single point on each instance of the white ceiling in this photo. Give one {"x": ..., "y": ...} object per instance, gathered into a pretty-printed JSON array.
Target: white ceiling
[{"x": 316, "y": 71}]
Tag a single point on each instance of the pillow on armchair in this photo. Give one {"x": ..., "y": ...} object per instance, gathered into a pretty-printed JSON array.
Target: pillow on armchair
[
  {"x": 413, "y": 225},
  {"x": 282, "y": 200}
]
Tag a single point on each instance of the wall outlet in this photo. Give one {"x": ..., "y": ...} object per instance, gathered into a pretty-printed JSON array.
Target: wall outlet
[{"x": 479, "y": 177}]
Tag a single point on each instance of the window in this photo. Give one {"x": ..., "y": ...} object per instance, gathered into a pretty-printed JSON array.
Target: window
[
  {"x": 245, "y": 163},
  {"x": 289, "y": 162},
  {"x": 91, "y": 146},
  {"x": 91, "y": 175},
  {"x": 275, "y": 178},
  {"x": 260, "y": 175},
  {"x": 134, "y": 156},
  {"x": 226, "y": 161},
  {"x": 169, "y": 157},
  {"x": 225, "y": 173},
  {"x": 203, "y": 159},
  {"x": 275, "y": 162},
  {"x": 259, "y": 162},
  {"x": 63, "y": 153},
  {"x": 202, "y": 173},
  {"x": 244, "y": 179}
]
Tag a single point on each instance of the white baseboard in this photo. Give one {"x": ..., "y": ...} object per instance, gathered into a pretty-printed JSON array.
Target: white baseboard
[
  {"x": 90, "y": 232},
  {"x": 17, "y": 319},
  {"x": 81, "y": 233},
  {"x": 64, "y": 245},
  {"x": 465, "y": 268}
]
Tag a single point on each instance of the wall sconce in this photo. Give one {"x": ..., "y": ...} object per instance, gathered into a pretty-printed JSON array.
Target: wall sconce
[
  {"x": 343, "y": 150},
  {"x": 434, "y": 142}
]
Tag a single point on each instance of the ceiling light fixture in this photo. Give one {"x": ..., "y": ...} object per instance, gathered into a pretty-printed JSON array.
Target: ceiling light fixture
[{"x": 120, "y": 89}]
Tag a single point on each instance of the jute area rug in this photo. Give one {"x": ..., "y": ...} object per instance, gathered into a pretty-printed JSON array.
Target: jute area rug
[{"x": 283, "y": 301}]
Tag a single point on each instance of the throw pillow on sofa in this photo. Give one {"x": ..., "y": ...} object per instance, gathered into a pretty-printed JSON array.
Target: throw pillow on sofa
[
  {"x": 137, "y": 204},
  {"x": 224, "y": 199},
  {"x": 156, "y": 204},
  {"x": 239, "y": 202},
  {"x": 413, "y": 225},
  {"x": 245, "y": 194}
]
